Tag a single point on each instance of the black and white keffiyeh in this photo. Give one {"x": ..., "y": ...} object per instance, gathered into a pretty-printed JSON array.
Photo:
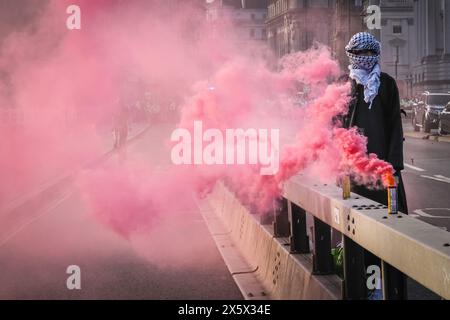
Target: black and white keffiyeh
[{"x": 365, "y": 70}]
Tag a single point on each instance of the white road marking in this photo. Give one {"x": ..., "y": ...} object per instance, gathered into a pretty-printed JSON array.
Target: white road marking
[
  {"x": 414, "y": 168},
  {"x": 55, "y": 204},
  {"x": 422, "y": 213},
  {"x": 442, "y": 177},
  {"x": 437, "y": 178}
]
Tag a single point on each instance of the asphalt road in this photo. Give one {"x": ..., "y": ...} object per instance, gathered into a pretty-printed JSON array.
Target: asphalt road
[
  {"x": 427, "y": 180},
  {"x": 35, "y": 257},
  {"x": 427, "y": 183}
]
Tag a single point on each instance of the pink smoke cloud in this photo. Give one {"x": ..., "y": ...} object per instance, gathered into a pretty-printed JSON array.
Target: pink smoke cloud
[{"x": 66, "y": 85}]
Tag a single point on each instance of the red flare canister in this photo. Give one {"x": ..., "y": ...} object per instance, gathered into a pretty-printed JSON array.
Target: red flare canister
[{"x": 392, "y": 195}]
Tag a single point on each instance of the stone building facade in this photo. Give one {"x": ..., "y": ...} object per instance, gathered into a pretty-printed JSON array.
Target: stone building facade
[
  {"x": 294, "y": 25},
  {"x": 348, "y": 19},
  {"x": 248, "y": 18},
  {"x": 398, "y": 39},
  {"x": 431, "y": 70}
]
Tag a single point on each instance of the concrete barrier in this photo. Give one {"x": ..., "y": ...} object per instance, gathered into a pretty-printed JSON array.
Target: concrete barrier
[
  {"x": 415, "y": 248},
  {"x": 282, "y": 275}
]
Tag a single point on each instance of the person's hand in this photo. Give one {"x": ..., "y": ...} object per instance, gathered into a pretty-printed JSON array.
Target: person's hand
[{"x": 397, "y": 177}]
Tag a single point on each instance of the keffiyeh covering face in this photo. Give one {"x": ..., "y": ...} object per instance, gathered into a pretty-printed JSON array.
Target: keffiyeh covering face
[{"x": 365, "y": 70}]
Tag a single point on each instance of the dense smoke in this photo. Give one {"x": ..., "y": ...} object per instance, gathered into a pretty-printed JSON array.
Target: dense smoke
[{"x": 67, "y": 85}]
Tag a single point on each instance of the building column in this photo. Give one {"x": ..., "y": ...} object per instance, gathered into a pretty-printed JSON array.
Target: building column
[
  {"x": 375, "y": 32},
  {"x": 446, "y": 26},
  {"x": 430, "y": 15},
  {"x": 420, "y": 27}
]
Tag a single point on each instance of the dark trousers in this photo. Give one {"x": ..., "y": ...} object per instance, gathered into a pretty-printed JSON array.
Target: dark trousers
[{"x": 380, "y": 196}]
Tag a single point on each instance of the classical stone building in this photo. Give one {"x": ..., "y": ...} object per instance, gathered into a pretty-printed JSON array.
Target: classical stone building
[
  {"x": 295, "y": 25},
  {"x": 398, "y": 39},
  {"x": 431, "y": 70},
  {"x": 415, "y": 39},
  {"x": 348, "y": 19},
  {"x": 248, "y": 18}
]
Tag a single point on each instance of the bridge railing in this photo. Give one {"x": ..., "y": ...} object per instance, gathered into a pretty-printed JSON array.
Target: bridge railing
[{"x": 313, "y": 216}]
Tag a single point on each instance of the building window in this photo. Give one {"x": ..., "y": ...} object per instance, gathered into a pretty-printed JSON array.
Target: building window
[
  {"x": 358, "y": 3},
  {"x": 264, "y": 34},
  {"x": 252, "y": 33},
  {"x": 264, "y": 16},
  {"x": 397, "y": 29},
  {"x": 253, "y": 16}
]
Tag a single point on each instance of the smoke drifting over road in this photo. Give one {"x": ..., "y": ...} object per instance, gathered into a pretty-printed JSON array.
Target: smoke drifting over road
[{"x": 65, "y": 85}]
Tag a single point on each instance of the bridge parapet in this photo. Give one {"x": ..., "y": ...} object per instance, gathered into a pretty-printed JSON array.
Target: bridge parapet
[{"x": 291, "y": 251}]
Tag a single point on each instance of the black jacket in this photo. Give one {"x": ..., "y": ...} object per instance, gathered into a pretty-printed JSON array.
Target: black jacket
[{"x": 382, "y": 125}]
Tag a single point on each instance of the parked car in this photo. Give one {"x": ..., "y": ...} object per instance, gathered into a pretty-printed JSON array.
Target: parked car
[
  {"x": 444, "y": 121},
  {"x": 407, "y": 106},
  {"x": 427, "y": 111}
]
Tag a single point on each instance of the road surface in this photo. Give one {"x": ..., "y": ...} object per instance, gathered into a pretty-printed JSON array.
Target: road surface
[
  {"x": 38, "y": 246},
  {"x": 35, "y": 257},
  {"x": 427, "y": 180}
]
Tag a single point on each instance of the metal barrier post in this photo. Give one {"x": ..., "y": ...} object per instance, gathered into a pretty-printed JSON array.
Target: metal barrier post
[
  {"x": 299, "y": 238},
  {"x": 281, "y": 222},
  {"x": 322, "y": 258},
  {"x": 266, "y": 218},
  {"x": 394, "y": 283},
  {"x": 355, "y": 286}
]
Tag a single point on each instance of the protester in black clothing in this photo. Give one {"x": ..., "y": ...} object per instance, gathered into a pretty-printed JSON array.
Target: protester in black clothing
[{"x": 375, "y": 110}]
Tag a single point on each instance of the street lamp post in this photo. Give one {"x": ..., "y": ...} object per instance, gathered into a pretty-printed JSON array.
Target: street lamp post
[
  {"x": 397, "y": 43},
  {"x": 396, "y": 62}
]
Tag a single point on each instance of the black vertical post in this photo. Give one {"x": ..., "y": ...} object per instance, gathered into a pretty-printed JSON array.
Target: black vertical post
[
  {"x": 397, "y": 60},
  {"x": 355, "y": 286},
  {"x": 394, "y": 283},
  {"x": 266, "y": 218},
  {"x": 299, "y": 239},
  {"x": 281, "y": 220},
  {"x": 322, "y": 259}
]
